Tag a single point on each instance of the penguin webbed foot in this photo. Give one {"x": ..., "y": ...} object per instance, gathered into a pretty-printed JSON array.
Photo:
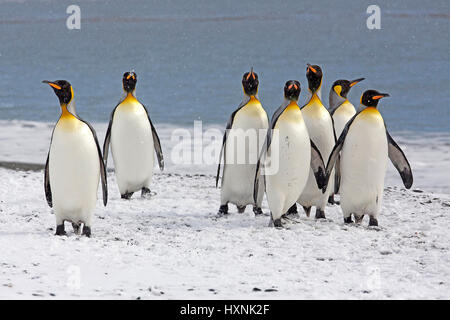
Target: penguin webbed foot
[
  {"x": 126, "y": 196},
  {"x": 348, "y": 220},
  {"x": 320, "y": 214},
  {"x": 241, "y": 209},
  {"x": 292, "y": 211},
  {"x": 277, "y": 223},
  {"x": 257, "y": 211},
  {"x": 86, "y": 231},
  {"x": 60, "y": 230},
  {"x": 373, "y": 222},
  {"x": 146, "y": 193},
  {"x": 223, "y": 210}
]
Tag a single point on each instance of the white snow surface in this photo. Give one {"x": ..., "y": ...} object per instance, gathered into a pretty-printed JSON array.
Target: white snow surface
[{"x": 172, "y": 246}]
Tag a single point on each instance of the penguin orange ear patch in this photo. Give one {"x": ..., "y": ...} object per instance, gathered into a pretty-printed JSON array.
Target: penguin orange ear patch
[{"x": 312, "y": 69}]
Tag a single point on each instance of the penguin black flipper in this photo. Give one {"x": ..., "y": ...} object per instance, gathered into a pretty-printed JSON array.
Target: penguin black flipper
[
  {"x": 399, "y": 161},
  {"x": 108, "y": 136},
  {"x": 225, "y": 136},
  {"x": 102, "y": 164},
  {"x": 336, "y": 150},
  {"x": 48, "y": 190},
  {"x": 156, "y": 143},
  {"x": 318, "y": 166},
  {"x": 266, "y": 146}
]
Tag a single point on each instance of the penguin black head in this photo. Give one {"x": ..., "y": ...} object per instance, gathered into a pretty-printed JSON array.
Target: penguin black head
[
  {"x": 129, "y": 81},
  {"x": 292, "y": 90},
  {"x": 314, "y": 76},
  {"x": 342, "y": 87},
  {"x": 250, "y": 83},
  {"x": 63, "y": 90},
  {"x": 370, "y": 98}
]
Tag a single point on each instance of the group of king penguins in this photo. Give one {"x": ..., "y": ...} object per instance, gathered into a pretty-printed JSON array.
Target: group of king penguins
[
  {"x": 319, "y": 152},
  {"x": 75, "y": 163}
]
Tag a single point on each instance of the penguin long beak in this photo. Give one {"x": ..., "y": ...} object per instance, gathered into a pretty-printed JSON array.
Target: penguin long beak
[
  {"x": 381, "y": 95},
  {"x": 353, "y": 82},
  {"x": 51, "y": 84}
]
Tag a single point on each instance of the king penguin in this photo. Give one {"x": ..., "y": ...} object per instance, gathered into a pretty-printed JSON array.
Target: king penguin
[
  {"x": 291, "y": 154},
  {"x": 133, "y": 141},
  {"x": 320, "y": 128},
  {"x": 342, "y": 111},
  {"x": 365, "y": 145},
  {"x": 242, "y": 143},
  {"x": 74, "y": 166}
]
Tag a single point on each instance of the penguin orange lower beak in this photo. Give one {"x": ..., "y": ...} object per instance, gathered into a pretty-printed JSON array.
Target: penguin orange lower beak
[
  {"x": 381, "y": 95},
  {"x": 352, "y": 83},
  {"x": 51, "y": 84}
]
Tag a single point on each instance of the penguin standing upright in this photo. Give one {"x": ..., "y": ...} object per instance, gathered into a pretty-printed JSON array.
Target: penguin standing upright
[
  {"x": 291, "y": 154},
  {"x": 242, "y": 143},
  {"x": 74, "y": 166},
  {"x": 342, "y": 111},
  {"x": 365, "y": 145},
  {"x": 133, "y": 141},
  {"x": 320, "y": 128}
]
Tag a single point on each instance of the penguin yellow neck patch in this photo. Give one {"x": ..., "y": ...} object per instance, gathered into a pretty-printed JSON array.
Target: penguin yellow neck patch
[
  {"x": 67, "y": 120},
  {"x": 372, "y": 114},
  {"x": 315, "y": 100},
  {"x": 292, "y": 113}
]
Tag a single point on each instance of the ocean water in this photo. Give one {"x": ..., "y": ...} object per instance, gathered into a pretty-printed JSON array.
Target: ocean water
[{"x": 190, "y": 56}]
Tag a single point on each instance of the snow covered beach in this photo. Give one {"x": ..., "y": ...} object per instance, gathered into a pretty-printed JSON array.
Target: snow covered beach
[{"x": 172, "y": 246}]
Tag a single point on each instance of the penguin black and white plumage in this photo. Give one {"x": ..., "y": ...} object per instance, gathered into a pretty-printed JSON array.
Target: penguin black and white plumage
[
  {"x": 320, "y": 129},
  {"x": 242, "y": 143},
  {"x": 365, "y": 145},
  {"x": 74, "y": 166},
  {"x": 341, "y": 111},
  {"x": 134, "y": 141},
  {"x": 291, "y": 154}
]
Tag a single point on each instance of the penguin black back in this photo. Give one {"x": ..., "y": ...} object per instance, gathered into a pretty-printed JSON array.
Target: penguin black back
[{"x": 250, "y": 83}]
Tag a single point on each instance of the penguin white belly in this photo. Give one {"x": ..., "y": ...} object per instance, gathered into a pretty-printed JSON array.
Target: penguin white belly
[
  {"x": 320, "y": 129},
  {"x": 341, "y": 116},
  {"x": 74, "y": 171},
  {"x": 293, "y": 157},
  {"x": 241, "y": 156},
  {"x": 132, "y": 147},
  {"x": 363, "y": 166}
]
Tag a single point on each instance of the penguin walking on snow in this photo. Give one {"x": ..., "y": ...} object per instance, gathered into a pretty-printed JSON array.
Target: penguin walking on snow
[
  {"x": 242, "y": 142},
  {"x": 365, "y": 145},
  {"x": 133, "y": 140},
  {"x": 74, "y": 166},
  {"x": 320, "y": 129},
  {"x": 291, "y": 154},
  {"x": 341, "y": 111}
]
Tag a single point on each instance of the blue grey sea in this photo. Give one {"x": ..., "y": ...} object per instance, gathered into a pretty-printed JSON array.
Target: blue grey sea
[{"x": 190, "y": 56}]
